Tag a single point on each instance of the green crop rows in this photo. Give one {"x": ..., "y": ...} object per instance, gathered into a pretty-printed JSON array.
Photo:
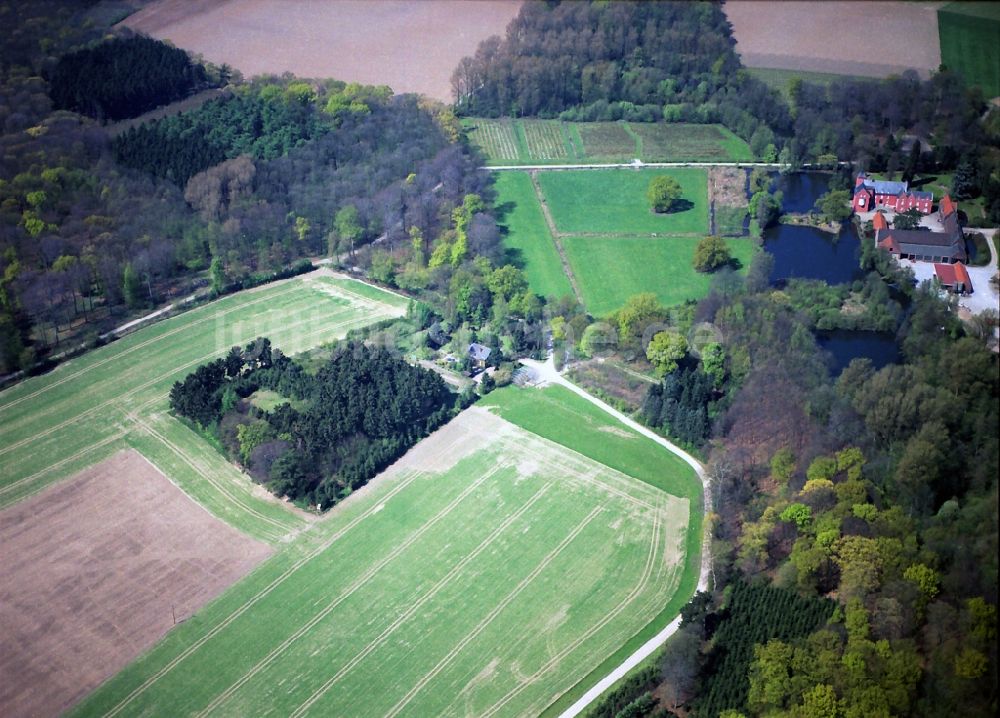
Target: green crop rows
[
  {"x": 530, "y": 141},
  {"x": 489, "y": 580},
  {"x": 116, "y": 396}
]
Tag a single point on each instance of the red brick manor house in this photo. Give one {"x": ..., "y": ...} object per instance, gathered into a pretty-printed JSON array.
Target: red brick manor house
[{"x": 870, "y": 195}]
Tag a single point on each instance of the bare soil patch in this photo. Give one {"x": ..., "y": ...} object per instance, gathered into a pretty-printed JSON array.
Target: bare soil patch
[
  {"x": 410, "y": 46},
  {"x": 727, "y": 186},
  {"x": 873, "y": 39},
  {"x": 95, "y": 571}
]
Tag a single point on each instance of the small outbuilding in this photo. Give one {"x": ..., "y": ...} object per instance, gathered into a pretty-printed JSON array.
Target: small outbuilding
[{"x": 954, "y": 277}]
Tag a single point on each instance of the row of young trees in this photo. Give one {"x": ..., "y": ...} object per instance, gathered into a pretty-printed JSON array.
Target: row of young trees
[{"x": 362, "y": 410}]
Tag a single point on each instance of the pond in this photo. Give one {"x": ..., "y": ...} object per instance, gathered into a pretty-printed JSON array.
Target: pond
[
  {"x": 844, "y": 346},
  {"x": 806, "y": 252}
]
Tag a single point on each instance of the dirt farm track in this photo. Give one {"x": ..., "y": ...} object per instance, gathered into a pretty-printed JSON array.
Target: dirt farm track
[
  {"x": 410, "y": 46},
  {"x": 94, "y": 571}
]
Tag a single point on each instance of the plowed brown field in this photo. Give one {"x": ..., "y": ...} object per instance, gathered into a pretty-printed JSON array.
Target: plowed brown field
[
  {"x": 873, "y": 39},
  {"x": 410, "y": 46},
  {"x": 95, "y": 570}
]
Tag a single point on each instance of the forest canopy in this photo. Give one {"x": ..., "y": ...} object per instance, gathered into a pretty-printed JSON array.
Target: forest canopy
[
  {"x": 362, "y": 410},
  {"x": 123, "y": 77}
]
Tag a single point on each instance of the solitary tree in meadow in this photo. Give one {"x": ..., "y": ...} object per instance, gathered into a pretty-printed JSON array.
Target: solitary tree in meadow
[
  {"x": 711, "y": 253},
  {"x": 663, "y": 193}
]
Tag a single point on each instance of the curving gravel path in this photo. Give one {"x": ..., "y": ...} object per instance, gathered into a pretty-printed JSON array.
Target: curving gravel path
[{"x": 548, "y": 374}]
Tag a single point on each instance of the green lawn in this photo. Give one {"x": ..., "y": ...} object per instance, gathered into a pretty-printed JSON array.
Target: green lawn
[
  {"x": 114, "y": 396},
  {"x": 568, "y": 419},
  {"x": 527, "y": 240},
  {"x": 493, "y": 581},
  {"x": 267, "y": 400},
  {"x": 609, "y": 271},
  {"x": 533, "y": 141},
  {"x": 614, "y": 201},
  {"x": 970, "y": 43},
  {"x": 781, "y": 80}
]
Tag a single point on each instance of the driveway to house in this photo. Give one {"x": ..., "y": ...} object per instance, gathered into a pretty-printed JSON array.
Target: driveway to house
[
  {"x": 546, "y": 373},
  {"x": 984, "y": 295}
]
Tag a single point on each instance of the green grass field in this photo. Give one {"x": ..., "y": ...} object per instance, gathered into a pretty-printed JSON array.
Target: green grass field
[
  {"x": 614, "y": 201},
  {"x": 609, "y": 271},
  {"x": 530, "y": 141},
  {"x": 527, "y": 241},
  {"x": 490, "y": 574},
  {"x": 116, "y": 396},
  {"x": 781, "y": 80},
  {"x": 570, "y": 420},
  {"x": 969, "y": 33}
]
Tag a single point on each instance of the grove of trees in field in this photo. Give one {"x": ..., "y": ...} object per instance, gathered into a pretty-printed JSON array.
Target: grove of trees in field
[
  {"x": 123, "y": 77},
  {"x": 362, "y": 410}
]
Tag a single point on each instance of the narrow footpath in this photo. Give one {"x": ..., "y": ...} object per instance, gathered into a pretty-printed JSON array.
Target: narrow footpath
[
  {"x": 554, "y": 233},
  {"x": 547, "y": 374}
]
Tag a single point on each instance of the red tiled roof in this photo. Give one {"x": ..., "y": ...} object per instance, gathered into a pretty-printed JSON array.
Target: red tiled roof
[
  {"x": 963, "y": 276},
  {"x": 952, "y": 274},
  {"x": 947, "y": 206},
  {"x": 879, "y": 221},
  {"x": 946, "y": 273},
  {"x": 888, "y": 244}
]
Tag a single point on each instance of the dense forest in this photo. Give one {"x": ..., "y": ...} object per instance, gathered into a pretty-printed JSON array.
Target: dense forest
[
  {"x": 623, "y": 60},
  {"x": 123, "y": 77},
  {"x": 359, "y": 412},
  {"x": 874, "y": 488},
  {"x": 93, "y": 225}
]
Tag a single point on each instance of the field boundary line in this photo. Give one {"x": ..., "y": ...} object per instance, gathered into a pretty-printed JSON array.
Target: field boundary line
[
  {"x": 416, "y": 606},
  {"x": 42, "y": 434},
  {"x": 358, "y": 583},
  {"x": 497, "y": 610},
  {"x": 249, "y": 604},
  {"x": 143, "y": 344},
  {"x": 633, "y": 594},
  {"x": 205, "y": 473},
  {"x": 325, "y": 545},
  {"x": 103, "y": 442},
  {"x": 555, "y": 235}
]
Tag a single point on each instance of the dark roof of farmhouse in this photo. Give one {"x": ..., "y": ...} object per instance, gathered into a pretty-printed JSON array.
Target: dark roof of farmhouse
[
  {"x": 920, "y": 237},
  {"x": 479, "y": 352}
]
